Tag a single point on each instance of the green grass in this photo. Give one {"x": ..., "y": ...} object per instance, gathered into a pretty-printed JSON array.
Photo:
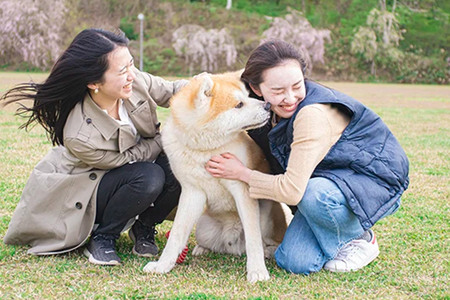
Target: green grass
[{"x": 414, "y": 242}]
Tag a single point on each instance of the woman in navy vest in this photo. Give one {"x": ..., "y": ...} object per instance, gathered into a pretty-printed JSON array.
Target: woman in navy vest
[{"x": 331, "y": 157}]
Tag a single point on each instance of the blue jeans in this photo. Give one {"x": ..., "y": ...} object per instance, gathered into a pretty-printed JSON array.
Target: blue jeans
[{"x": 322, "y": 225}]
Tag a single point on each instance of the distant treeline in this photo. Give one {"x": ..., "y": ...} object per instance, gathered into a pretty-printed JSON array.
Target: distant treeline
[{"x": 357, "y": 40}]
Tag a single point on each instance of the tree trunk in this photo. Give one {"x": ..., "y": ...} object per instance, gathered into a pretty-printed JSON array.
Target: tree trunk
[
  {"x": 229, "y": 3},
  {"x": 386, "y": 27},
  {"x": 373, "y": 70},
  {"x": 382, "y": 5},
  {"x": 389, "y": 25}
]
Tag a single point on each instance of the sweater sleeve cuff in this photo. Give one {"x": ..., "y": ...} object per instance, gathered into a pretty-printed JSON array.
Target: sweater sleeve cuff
[{"x": 261, "y": 186}]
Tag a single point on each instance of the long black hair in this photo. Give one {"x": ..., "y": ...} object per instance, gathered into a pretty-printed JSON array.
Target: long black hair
[
  {"x": 268, "y": 55},
  {"x": 84, "y": 61}
]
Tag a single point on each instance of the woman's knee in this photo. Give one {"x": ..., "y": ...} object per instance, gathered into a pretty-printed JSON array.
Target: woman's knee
[
  {"x": 293, "y": 261},
  {"x": 149, "y": 179}
]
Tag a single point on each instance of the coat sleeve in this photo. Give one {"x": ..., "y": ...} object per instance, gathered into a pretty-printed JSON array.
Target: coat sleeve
[
  {"x": 144, "y": 150},
  {"x": 162, "y": 90}
]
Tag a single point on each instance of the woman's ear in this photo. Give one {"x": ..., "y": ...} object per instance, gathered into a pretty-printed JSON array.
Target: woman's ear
[
  {"x": 255, "y": 90},
  {"x": 92, "y": 86}
]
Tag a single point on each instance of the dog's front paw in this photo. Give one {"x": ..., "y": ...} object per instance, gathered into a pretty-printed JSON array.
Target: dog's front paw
[
  {"x": 258, "y": 275},
  {"x": 157, "y": 267},
  {"x": 199, "y": 250}
]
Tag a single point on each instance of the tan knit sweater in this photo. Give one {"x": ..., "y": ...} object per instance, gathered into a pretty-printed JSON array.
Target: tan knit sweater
[{"x": 317, "y": 128}]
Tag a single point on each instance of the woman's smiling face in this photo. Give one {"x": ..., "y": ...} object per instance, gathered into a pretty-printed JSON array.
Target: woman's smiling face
[
  {"x": 283, "y": 87},
  {"x": 118, "y": 79}
]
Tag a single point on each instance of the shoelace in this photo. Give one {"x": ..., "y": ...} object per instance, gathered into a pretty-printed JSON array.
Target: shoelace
[
  {"x": 150, "y": 237},
  {"x": 105, "y": 243},
  {"x": 348, "y": 250}
]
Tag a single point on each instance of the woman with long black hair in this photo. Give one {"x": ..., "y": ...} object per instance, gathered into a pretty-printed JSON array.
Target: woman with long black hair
[{"x": 107, "y": 170}]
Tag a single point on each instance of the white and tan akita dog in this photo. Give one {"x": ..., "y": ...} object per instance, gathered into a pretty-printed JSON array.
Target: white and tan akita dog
[{"x": 210, "y": 116}]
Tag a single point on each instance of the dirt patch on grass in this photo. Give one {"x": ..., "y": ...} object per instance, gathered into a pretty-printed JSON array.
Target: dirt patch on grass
[{"x": 396, "y": 95}]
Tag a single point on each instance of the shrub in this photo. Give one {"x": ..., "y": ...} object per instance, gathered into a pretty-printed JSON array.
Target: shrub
[
  {"x": 295, "y": 29},
  {"x": 31, "y": 31},
  {"x": 209, "y": 48}
]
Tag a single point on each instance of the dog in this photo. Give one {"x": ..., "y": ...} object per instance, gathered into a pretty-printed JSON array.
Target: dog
[{"x": 210, "y": 116}]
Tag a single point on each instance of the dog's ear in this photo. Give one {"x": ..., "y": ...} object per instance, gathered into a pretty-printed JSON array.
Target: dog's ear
[
  {"x": 237, "y": 74},
  {"x": 207, "y": 85},
  {"x": 205, "y": 91}
]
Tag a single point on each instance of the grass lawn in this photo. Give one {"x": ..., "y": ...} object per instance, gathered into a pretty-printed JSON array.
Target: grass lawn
[{"x": 414, "y": 242}]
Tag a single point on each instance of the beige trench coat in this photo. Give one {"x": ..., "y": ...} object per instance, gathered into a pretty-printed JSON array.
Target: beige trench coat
[{"x": 56, "y": 212}]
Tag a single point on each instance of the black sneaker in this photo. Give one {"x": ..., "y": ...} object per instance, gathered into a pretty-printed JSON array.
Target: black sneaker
[
  {"x": 144, "y": 240},
  {"x": 101, "y": 250}
]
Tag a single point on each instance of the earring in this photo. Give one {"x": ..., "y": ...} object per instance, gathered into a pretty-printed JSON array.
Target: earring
[{"x": 96, "y": 91}]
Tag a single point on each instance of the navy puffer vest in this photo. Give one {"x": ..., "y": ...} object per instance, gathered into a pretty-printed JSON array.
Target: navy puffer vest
[{"x": 367, "y": 162}]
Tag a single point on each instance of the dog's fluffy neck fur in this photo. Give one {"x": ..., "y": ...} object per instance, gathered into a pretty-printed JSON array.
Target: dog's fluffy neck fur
[{"x": 202, "y": 141}]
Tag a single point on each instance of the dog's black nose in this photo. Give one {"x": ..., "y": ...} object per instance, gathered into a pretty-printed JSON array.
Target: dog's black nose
[{"x": 267, "y": 106}]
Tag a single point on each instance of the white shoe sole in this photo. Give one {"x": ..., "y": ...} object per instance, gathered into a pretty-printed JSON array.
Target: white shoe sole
[
  {"x": 368, "y": 261},
  {"x": 143, "y": 255},
  {"x": 99, "y": 262}
]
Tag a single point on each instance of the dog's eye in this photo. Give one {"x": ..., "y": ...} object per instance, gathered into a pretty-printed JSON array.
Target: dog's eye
[{"x": 239, "y": 105}]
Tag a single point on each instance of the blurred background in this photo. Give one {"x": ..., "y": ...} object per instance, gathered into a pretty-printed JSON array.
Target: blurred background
[{"x": 404, "y": 41}]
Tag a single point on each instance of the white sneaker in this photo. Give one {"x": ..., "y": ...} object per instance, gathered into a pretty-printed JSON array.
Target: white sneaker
[{"x": 355, "y": 255}]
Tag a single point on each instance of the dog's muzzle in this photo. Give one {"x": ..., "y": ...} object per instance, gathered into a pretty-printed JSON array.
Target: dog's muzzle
[{"x": 257, "y": 125}]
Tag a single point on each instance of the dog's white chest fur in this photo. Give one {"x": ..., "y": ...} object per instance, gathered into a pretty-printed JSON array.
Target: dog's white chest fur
[{"x": 188, "y": 166}]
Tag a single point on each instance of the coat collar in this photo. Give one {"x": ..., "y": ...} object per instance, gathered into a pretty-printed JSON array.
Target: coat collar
[
  {"x": 104, "y": 124},
  {"x": 107, "y": 126}
]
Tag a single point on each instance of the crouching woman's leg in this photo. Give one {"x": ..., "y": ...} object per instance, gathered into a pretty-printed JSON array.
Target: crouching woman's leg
[
  {"x": 143, "y": 231},
  {"x": 322, "y": 224},
  {"x": 167, "y": 200},
  {"x": 299, "y": 252},
  {"x": 123, "y": 194}
]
